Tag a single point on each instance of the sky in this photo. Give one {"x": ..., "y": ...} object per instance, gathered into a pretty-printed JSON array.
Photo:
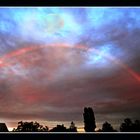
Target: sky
[{"x": 56, "y": 61}]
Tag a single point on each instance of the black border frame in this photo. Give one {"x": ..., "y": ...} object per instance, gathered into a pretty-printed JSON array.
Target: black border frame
[
  {"x": 69, "y": 2},
  {"x": 71, "y": 136}
]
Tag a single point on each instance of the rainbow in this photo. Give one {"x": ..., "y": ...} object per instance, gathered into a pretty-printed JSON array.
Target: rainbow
[{"x": 24, "y": 50}]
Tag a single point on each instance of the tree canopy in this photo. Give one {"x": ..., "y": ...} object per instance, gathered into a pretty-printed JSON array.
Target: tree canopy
[{"x": 30, "y": 127}]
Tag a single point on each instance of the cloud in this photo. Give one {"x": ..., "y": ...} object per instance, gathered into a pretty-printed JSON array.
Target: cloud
[{"x": 54, "y": 79}]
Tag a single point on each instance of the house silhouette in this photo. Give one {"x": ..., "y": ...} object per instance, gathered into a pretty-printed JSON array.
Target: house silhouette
[{"x": 3, "y": 127}]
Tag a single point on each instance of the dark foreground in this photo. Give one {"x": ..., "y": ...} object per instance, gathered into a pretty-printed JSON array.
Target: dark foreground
[{"x": 65, "y": 136}]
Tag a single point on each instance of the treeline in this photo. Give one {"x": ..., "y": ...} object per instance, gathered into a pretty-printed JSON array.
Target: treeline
[
  {"x": 89, "y": 125},
  {"x": 36, "y": 127}
]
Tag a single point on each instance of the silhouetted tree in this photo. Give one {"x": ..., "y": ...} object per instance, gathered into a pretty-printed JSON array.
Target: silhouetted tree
[
  {"x": 72, "y": 128},
  {"x": 129, "y": 126},
  {"x": 89, "y": 120},
  {"x": 30, "y": 127},
  {"x": 136, "y": 126},
  {"x": 59, "y": 128},
  {"x": 106, "y": 127}
]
